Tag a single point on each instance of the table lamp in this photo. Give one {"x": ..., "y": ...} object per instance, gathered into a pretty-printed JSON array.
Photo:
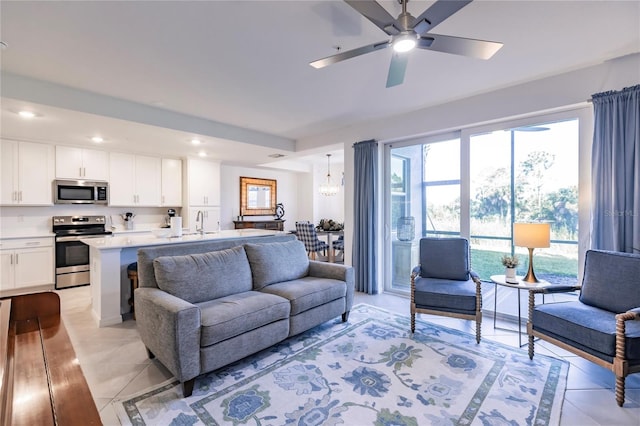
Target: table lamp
[{"x": 531, "y": 235}]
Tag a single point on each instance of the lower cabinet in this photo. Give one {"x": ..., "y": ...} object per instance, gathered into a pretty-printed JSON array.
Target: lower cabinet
[{"x": 26, "y": 263}]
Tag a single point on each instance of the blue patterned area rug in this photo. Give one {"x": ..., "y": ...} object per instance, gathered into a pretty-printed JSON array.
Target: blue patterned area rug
[{"x": 368, "y": 371}]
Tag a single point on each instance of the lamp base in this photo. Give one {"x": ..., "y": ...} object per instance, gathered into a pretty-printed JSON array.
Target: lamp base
[{"x": 531, "y": 276}]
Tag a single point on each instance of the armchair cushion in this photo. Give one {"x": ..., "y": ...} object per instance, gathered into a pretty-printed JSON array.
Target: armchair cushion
[
  {"x": 445, "y": 294},
  {"x": 444, "y": 258},
  {"x": 204, "y": 276},
  {"x": 277, "y": 262},
  {"x": 587, "y": 327},
  {"x": 611, "y": 280}
]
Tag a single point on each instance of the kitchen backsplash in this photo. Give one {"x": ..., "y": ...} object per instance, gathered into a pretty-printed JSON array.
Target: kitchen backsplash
[{"x": 16, "y": 221}]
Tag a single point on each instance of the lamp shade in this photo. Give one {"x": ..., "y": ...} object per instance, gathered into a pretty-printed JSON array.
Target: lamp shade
[{"x": 532, "y": 235}]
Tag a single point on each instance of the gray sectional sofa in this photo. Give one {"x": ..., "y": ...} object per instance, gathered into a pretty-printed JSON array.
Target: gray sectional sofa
[{"x": 204, "y": 305}]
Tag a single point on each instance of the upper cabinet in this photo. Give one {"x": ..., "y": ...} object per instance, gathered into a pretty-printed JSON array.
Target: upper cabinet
[
  {"x": 27, "y": 172},
  {"x": 171, "y": 182},
  {"x": 203, "y": 181},
  {"x": 135, "y": 180},
  {"x": 80, "y": 163}
]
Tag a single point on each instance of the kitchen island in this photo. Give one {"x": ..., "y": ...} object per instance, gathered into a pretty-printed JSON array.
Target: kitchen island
[{"x": 110, "y": 256}]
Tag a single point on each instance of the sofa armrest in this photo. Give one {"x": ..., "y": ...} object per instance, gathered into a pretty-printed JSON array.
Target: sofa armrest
[
  {"x": 337, "y": 272},
  {"x": 170, "y": 329}
]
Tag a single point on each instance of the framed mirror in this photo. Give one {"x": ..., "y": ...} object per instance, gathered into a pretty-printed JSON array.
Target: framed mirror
[{"x": 258, "y": 196}]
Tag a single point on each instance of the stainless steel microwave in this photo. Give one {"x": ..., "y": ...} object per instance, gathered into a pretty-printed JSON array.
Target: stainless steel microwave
[{"x": 80, "y": 192}]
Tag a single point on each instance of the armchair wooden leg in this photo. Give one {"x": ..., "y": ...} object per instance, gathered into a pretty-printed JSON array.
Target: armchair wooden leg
[
  {"x": 413, "y": 322},
  {"x": 620, "y": 390},
  {"x": 478, "y": 329},
  {"x": 530, "y": 346}
]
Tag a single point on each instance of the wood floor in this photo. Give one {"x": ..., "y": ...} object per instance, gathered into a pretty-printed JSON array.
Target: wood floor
[{"x": 115, "y": 363}]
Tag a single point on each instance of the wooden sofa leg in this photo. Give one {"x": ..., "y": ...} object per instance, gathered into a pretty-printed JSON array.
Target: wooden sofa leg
[
  {"x": 620, "y": 390},
  {"x": 187, "y": 387},
  {"x": 150, "y": 354},
  {"x": 345, "y": 316}
]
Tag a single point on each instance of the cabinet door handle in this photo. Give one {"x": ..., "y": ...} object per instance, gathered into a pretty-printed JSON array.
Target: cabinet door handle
[
  {"x": 11, "y": 260},
  {"x": 80, "y": 171},
  {"x": 84, "y": 172},
  {"x": 20, "y": 196},
  {"x": 16, "y": 258},
  {"x": 14, "y": 196},
  {"x": 163, "y": 199},
  {"x": 33, "y": 243}
]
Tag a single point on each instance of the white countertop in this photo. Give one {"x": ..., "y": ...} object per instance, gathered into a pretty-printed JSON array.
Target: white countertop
[
  {"x": 26, "y": 234},
  {"x": 116, "y": 242}
]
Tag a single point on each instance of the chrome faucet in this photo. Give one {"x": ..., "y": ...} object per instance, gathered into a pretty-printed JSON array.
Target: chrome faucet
[{"x": 200, "y": 219}]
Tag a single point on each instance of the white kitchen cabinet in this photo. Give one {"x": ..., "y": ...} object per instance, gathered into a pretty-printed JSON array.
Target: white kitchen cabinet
[
  {"x": 27, "y": 171},
  {"x": 171, "y": 182},
  {"x": 203, "y": 182},
  {"x": 211, "y": 218},
  {"x": 134, "y": 180},
  {"x": 26, "y": 262},
  {"x": 80, "y": 163}
]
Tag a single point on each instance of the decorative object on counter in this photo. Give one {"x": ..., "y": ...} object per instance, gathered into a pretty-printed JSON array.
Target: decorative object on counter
[
  {"x": 176, "y": 226},
  {"x": 510, "y": 263},
  {"x": 167, "y": 219},
  {"x": 329, "y": 225},
  {"x": 329, "y": 188},
  {"x": 128, "y": 220},
  {"x": 406, "y": 228},
  {"x": 279, "y": 211}
]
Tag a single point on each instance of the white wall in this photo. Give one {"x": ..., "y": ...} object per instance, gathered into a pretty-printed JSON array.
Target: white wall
[{"x": 289, "y": 184}]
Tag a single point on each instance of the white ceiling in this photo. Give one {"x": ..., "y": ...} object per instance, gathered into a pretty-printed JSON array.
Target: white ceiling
[{"x": 245, "y": 64}]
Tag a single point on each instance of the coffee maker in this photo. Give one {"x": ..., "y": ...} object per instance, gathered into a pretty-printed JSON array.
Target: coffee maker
[{"x": 167, "y": 219}]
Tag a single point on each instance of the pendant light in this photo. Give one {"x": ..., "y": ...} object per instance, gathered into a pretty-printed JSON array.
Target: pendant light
[{"x": 328, "y": 188}]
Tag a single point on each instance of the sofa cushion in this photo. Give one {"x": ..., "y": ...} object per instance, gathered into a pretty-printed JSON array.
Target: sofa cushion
[
  {"x": 277, "y": 262},
  {"x": 586, "y": 326},
  {"x": 204, "y": 276},
  {"x": 233, "y": 315},
  {"x": 308, "y": 292},
  {"x": 611, "y": 280}
]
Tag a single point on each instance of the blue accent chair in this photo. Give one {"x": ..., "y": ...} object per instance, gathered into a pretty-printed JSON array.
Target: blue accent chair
[
  {"x": 603, "y": 325},
  {"x": 444, "y": 284}
]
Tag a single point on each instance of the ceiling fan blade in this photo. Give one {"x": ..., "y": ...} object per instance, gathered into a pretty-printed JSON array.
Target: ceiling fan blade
[
  {"x": 397, "y": 69},
  {"x": 377, "y": 14},
  {"x": 329, "y": 60},
  {"x": 437, "y": 13},
  {"x": 479, "y": 49}
]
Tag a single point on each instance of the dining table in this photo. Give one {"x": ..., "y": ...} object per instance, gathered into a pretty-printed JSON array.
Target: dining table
[{"x": 329, "y": 236}]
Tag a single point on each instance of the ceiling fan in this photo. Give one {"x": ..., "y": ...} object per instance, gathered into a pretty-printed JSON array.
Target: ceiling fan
[{"x": 408, "y": 32}]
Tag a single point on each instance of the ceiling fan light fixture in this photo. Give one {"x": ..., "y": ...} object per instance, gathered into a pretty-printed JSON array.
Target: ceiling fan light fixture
[{"x": 404, "y": 43}]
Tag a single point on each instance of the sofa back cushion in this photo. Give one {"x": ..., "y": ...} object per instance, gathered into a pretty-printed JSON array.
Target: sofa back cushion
[
  {"x": 204, "y": 276},
  {"x": 610, "y": 280},
  {"x": 277, "y": 262}
]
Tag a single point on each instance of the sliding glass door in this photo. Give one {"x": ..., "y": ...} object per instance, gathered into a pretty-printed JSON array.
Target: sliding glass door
[{"x": 476, "y": 183}]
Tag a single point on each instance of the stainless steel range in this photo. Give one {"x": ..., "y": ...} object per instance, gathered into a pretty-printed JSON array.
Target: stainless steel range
[{"x": 72, "y": 255}]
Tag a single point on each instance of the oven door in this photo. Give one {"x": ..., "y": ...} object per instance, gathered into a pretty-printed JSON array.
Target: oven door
[{"x": 72, "y": 262}]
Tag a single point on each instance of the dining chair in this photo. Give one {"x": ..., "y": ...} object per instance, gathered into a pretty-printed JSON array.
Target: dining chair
[
  {"x": 338, "y": 246},
  {"x": 444, "y": 284},
  {"x": 306, "y": 232}
]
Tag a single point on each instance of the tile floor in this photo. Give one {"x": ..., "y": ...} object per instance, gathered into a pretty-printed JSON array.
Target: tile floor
[{"x": 115, "y": 363}]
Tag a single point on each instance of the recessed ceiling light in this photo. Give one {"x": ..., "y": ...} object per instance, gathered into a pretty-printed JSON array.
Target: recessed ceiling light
[
  {"x": 202, "y": 154},
  {"x": 97, "y": 139},
  {"x": 27, "y": 114},
  {"x": 3, "y": 45},
  {"x": 195, "y": 141},
  {"x": 278, "y": 155}
]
